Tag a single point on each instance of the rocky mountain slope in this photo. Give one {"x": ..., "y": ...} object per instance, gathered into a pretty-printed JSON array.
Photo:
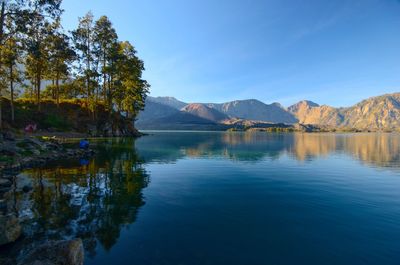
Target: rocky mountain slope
[
  {"x": 253, "y": 109},
  {"x": 382, "y": 112},
  {"x": 205, "y": 112},
  {"x": 379, "y": 113},
  {"x": 162, "y": 113},
  {"x": 308, "y": 112},
  {"x": 165, "y": 113},
  {"x": 375, "y": 113}
]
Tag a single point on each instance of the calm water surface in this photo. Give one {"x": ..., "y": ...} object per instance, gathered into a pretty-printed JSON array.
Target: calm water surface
[{"x": 223, "y": 198}]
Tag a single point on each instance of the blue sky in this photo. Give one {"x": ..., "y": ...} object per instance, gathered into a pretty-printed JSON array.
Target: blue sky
[{"x": 331, "y": 52}]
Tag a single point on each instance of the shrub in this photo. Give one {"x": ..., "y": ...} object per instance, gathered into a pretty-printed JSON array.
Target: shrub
[{"x": 56, "y": 122}]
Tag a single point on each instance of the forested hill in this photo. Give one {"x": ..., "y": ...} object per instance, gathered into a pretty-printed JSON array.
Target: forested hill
[{"x": 41, "y": 62}]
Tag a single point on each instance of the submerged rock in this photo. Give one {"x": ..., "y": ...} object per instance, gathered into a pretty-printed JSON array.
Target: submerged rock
[
  {"x": 23, "y": 183},
  {"x": 7, "y": 135},
  {"x": 27, "y": 188},
  {"x": 63, "y": 252},
  {"x": 10, "y": 229},
  {"x": 8, "y": 148},
  {"x": 3, "y": 205},
  {"x": 5, "y": 182}
]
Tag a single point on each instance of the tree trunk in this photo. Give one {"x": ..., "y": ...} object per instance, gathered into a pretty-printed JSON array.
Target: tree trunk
[
  {"x": 33, "y": 86},
  {"x": 38, "y": 83},
  {"x": 58, "y": 89},
  {"x": 104, "y": 78},
  {"x": 1, "y": 99},
  {"x": 88, "y": 76},
  {"x": 2, "y": 19},
  {"x": 53, "y": 92},
  {"x": 88, "y": 93},
  {"x": 110, "y": 98},
  {"x": 12, "y": 91}
]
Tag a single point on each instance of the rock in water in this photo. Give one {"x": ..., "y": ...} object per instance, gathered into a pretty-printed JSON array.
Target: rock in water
[
  {"x": 63, "y": 252},
  {"x": 5, "y": 183},
  {"x": 10, "y": 229}
]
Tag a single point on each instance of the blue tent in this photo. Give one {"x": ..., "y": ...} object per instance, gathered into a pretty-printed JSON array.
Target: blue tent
[{"x": 84, "y": 144}]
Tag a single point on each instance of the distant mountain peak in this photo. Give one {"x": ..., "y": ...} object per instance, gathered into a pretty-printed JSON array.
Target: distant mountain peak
[
  {"x": 277, "y": 104},
  {"x": 253, "y": 109},
  {"x": 302, "y": 105},
  {"x": 309, "y": 103},
  {"x": 169, "y": 101},
  {"x": 251, "y": 101},
  {"x": 205, "y": 112},
  {"x": 375, "y": 113}
]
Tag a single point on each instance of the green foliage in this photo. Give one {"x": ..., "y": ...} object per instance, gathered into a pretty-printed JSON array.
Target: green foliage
[
  {"x": 56, "y": 122},
  {"x": 91, "y": 64},
  {"x": 6, "y": 159}
]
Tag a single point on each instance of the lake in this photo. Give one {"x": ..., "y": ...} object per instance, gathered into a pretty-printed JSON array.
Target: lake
[{"x": 223, "y": 198}]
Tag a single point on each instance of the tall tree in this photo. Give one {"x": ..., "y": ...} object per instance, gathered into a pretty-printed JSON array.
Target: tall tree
[
  {"x": 28, "y": 17},
  {"x": 132, "y": 88},
  {"x": 83, "y": 39},
  {"x": 61, "y": 55},
  {"x": 106, "y": 67},
  {"x": 11, "y": 58},
  {"x": 39, "y": 33},
  {"x": 16, "y": 16},
  {"x": 105, "y": 37}
]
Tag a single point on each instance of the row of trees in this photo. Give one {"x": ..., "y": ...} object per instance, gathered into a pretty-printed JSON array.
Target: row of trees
[{"x": 89, "y": 63}]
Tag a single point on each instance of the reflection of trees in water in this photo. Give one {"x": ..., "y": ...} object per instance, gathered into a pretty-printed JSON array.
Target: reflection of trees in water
[
  {"x": 93, "y": 202},
  {"x": 373, "y": 148}
]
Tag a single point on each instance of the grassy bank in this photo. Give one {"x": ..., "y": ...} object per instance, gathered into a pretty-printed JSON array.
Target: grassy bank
[{"x": 69, "y": 116}]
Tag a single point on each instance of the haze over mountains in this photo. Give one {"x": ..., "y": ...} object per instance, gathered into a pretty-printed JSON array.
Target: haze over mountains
[{"x": 376, "y": 113}]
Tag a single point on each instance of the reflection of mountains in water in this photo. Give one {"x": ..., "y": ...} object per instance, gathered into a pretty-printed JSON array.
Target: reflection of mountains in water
[
  {"x": 380, "y": 149},
  {"x": 92, "y": 200}
]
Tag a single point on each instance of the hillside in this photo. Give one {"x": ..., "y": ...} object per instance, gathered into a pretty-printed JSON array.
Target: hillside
[
  {"x": 163, "y": 113},
  {"x": 308, "y": 112},
  {"x": 205, "y": 112},
  {"x": 253, "y": 109},
  {"x": 382, "y": 112},
  {"x": 180, "y": 121},
  {"x": 375, "y": 113},
  {"x": 72, "y": 116},
  {"x": 168, "y": 101},
  {"x": 154, "y": 110}
]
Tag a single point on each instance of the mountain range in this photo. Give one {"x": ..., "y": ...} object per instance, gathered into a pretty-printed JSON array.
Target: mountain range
[{"x": 374, "y": 114}]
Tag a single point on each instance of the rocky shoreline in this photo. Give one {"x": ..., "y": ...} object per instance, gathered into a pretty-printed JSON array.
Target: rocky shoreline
[
  {"x": 16, "y": 154},
  {"x": 24, "y": 152}
]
